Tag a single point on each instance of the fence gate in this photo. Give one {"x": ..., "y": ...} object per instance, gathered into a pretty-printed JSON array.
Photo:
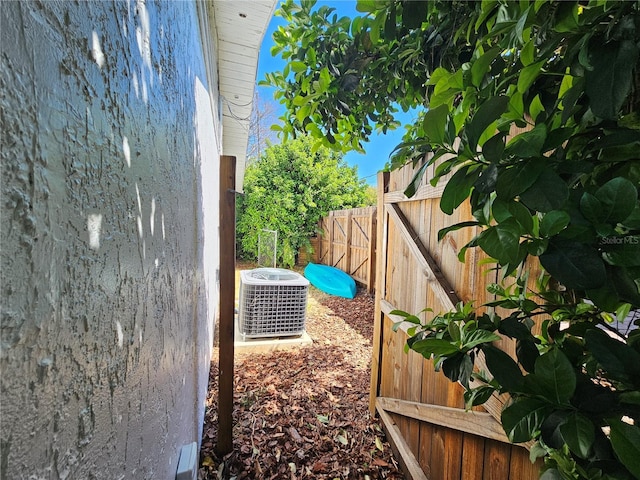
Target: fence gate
[
  {"x": 421, "y": 410},
  {"x": 348, "y": 242}
]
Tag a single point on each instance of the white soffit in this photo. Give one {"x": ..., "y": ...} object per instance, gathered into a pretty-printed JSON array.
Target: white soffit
[{"x": 241, "y": 25}]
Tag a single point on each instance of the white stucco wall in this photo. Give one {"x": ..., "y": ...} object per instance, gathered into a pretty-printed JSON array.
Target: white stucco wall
[{"x": 109, "y": 162}]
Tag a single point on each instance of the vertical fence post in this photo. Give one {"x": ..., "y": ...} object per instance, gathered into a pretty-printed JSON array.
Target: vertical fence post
[
  {"x": 227, "y": 301},
  {"x": 347, "y": 243},
  {"x": 330, "y": 248},
  {"x": 320, "y": 236},
  {"x": 381, "y": 260},
  {"x": 373, "y": 235}
]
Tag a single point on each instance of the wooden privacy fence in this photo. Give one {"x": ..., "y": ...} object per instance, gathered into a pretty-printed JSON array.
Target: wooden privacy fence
[
  {"x": 422, "y": 411},
  {"x": 348, "y": 241}
]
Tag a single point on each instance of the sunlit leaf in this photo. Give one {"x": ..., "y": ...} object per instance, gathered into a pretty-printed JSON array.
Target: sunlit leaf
[
  {"x": 488, "y": 113},
  {"x": 501, "y": 242},
  {"x": 298, "y": 66},
  {"x": 379, "y": 444},
  {"x": 536, "y": 107},
  {"x": 434, "y": 124},
  {"x": 527, "y": 53},
  {"x": 528, "y": 75},
  {"x": 554, "y": 222},
  {"x": 323, "y": 418},
  {"x": 434, "y": 346},
  {"x": 482, "y": 64},
  {"x": 457, "y": 189}
]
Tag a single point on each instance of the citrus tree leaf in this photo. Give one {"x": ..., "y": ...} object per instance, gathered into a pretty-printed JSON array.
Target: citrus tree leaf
[
  {"x": 298, "y": 66},
  {"x": 488, "y": 113},
  {"x": 476, "y": 337},
  {"x": 458, "y": 368},
  {"x": 608, "y": 82},
  {"x": 434, "y": 346},
  {"x": 554, "y": 222},
  {"x": 503, "y": 368},
  {"x": 625, "y": 440},
  {"x": 412, "y": 188},
  {"x": 522, "y": 419},
  {"x": 625, "y": 252},
  {"x": 527, "y": 353},
  {"x": 515, "y": 180},
  {"x": 574, "y": 264},
  {"x": 482, "y": 64},
  {"x": 556, "y": 376},
  {"x": 528, "y": 75},
  {"x": 619, "y": 360},
  {"x": 493, "y": 148},
  {"x": 528, "y": 144},
  {"x": 458, "y": 189},
  {"x": 501, "y": 242},
  {"x": 551, "y": 474},
  {"x": 442, "y": 232},
  {"x": 414, "y": 13},
  {"x": 548, "y": 192},
  {"x": 617, "y": 198},
  {"x": 435, "y": 123},
  {"x": 521, "y": 214},
  {"x": 591, "y": 208},
  {"x": 579, "y": 434}
]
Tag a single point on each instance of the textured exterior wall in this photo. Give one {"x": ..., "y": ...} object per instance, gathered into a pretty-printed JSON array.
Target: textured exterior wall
[{"x": 109, "y": 162}]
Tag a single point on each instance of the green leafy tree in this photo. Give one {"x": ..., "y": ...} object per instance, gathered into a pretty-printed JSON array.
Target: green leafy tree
[
  {"x": 533, "y": 107},
  {"x": 289, "y": 190},
  {"x": 371, "y": 196}
]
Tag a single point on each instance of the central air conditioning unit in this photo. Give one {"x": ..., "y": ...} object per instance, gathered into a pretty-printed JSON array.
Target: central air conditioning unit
[{"x": 272, "y": 303}]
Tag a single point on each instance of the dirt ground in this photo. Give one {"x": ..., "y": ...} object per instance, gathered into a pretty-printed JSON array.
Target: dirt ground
[{"x": 303, "y": 413}]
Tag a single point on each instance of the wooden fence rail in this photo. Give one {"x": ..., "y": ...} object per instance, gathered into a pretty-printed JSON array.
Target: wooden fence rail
[
  {"x": 422, "y": 411},
  {"x": 348, "y": 242}
]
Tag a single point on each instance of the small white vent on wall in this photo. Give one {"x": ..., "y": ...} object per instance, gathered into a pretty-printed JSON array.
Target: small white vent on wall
[{"x": 272, "y": 303}]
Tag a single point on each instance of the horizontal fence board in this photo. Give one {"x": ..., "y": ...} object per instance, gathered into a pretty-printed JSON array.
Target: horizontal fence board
[{"x": 476, "y": 423}]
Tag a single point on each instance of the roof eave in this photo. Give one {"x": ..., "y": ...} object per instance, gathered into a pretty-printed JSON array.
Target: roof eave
[{"x": 241, "y": 26}]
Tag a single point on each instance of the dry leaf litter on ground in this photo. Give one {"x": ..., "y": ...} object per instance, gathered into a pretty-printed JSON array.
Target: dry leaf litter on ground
[{"x": 303, "y": 413}]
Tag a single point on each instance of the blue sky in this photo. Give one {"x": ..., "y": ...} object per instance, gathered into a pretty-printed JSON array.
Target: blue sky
[{"x": 380, "y": 146}]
